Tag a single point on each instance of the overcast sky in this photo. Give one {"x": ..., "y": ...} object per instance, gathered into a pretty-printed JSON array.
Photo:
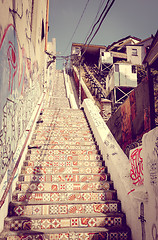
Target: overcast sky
[{"x": 137, "y": 18}]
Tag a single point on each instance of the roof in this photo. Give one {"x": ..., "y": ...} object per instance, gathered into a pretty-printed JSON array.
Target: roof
[
  {"x": 93, "y": 49},
  {"x": 122, "y": 41},
  {"x": 151, "y": 57}
]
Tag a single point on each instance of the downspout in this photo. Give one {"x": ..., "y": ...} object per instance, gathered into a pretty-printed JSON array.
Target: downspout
[{"x": 46, "y": 35}]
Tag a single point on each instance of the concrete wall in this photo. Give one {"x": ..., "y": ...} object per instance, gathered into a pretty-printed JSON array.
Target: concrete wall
[
  {"x": 22, "y": 71},
  {"x": 50, "y": 72},
  {"x": 136, "y": 178},
  {"x": 123, "y": 77},
  {"x": 136, "y": 59},
  {"x": 150, "y": 160}
]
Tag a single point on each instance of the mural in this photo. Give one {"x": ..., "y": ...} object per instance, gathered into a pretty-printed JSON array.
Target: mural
[
  {"x": 20, "y": 90},
  {"x": 132, "y": 118}
]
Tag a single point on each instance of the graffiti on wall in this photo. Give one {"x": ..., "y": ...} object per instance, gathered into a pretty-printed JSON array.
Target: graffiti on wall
[
  {"x": 132, "y": 119},
  {"x": 19, "y": 92},
  {"x": 136, "y": 166}
]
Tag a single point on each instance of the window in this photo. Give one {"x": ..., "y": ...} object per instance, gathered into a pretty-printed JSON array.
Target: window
[
  {"x": 134, "y": 52},
  {"x": 42, "y": 31},
  {"x": 134, "y": 70},
  {"x": 116, "y": 67},
  {"x": 102, "y": 54}
]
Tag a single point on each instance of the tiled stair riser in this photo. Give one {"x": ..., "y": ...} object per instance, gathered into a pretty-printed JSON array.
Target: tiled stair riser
[
  {"x": 64, "y": 178},
  {"x": 100, "y": 195},
  {"x": 89, "y": 208},
  {"x": 54, "y": 223},
  {"x": 64, "y": 190}
]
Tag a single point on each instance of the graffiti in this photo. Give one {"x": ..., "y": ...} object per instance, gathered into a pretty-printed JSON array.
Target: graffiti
[
  {"x": 154, "y": 232},
  {"x": 142, "y": 219},
  {"x": 133, "y": 105},
  {"x": 17, "y": 10},
  {"x": 136, "y": 162},
  {"x": 132, "y": 146},
  {"x": 126, "y": 123},
  {"x": 13, "y": 66},
  {"x": 18, "y": 96},
  {"x": 153, "y": 167}
]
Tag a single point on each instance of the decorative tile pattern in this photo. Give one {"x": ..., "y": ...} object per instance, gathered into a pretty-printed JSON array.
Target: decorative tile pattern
[{"x": 63, "y": 180}]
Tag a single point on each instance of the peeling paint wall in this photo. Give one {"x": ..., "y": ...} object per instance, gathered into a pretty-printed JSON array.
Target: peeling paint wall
[{"x": 132, "y": 119}]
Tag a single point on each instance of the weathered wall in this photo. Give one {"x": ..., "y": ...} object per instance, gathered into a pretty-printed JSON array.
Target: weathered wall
[
  {"x": 21, "y": 70},
  {"x": 132, "y": 119},
  {"x": 150, "y": 159}
]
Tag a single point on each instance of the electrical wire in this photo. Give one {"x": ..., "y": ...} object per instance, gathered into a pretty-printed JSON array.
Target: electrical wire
[
  {"x": 97, "y": 21},
  {"x": 99, "y": 8},
  {"x": 101, "y": 21},
  {"x": 77, "y": 25}
]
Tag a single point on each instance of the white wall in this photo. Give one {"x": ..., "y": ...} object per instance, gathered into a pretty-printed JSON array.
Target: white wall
[
  {"x": 118, "y": 164},
  {"x": 124, "y": 77},
  {"x": 140, "y": 54},
  {"x": 150, "y": 159}
]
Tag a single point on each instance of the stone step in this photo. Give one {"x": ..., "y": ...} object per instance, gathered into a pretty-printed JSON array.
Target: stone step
[
  {"x": 48, "y": 135},
  {"x": 53, "y": 127},
  {"x": 52, "y": 222},
  {"x": 62, "y": 170},
  {"x": 63, "y": 163},
  {"x": 56, "y": 124},
  {"x": 62, "y": 132},
  {"x": 97, "y": 233},
  {"x": 63, "y": 147},
  {"x": 64, "y": 156},
  {"x": 54, "y": 197},
  {"x": 62, "y": 118},
  {"x": 61, "y": 122},
  {"x": 65, "y": 112},
  {"x": 64, "y": 178},
  {"x": 16, "y": 209},
  {"x": 64, "y": 186},
  {"x": 79, "y": 139},
  {"x": 60, "y": 142},
  {"x": 36, "y": 151}
]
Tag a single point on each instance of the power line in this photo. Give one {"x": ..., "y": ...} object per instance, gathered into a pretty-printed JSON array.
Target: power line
[
  {"x": 108, "y": 9},
  {"x": 98, "y": 20},
  {"x": 102, "y": 20},
  {"x": 99, "y": 8},
  {"x": 77, "y": 25}
]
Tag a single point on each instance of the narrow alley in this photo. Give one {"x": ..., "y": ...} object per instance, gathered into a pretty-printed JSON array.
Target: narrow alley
[{"x": 64, "y": 190}]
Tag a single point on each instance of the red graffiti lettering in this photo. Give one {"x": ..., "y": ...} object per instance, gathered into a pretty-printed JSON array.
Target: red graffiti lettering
[{"x": 136, "y": 171}]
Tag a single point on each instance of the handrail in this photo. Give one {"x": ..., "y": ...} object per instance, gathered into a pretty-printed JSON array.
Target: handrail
[
  {"x": 18, "y": 161},
  {"x": 103, "y": 91}
]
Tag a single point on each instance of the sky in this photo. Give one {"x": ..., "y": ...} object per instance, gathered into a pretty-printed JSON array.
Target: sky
[{"x": 138, "y": 18}]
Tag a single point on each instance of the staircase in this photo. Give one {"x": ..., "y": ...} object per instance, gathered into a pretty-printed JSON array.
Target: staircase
[{"x": 64, "y": 190}]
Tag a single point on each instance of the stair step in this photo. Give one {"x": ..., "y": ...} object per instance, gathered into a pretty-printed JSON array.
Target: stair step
[
  {"x": 97, "y": 233},
  {"x": 62, "y": 170},
  {"x": 16, "y": 209},
  {"x": 64, "y": 156},
  {"x": 62, "y": 132},
  {"x": 64, "y": 178},
  {"x": 63, "y": 163},
  {"x": 64, "y": 138},
  {"x": 34, "y": 222},
  {"x": 62, "y": 187},
  {"x": 60, "y": 142},
  {"x": 36, "y": 151},
  {"x": 79, "y": 196}
]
